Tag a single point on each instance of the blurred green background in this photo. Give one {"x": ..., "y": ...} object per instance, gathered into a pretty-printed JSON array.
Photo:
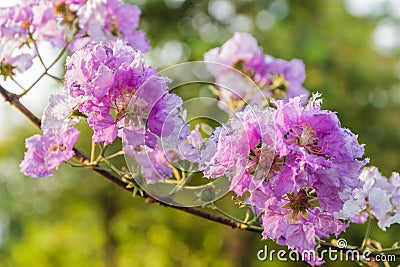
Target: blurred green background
[{"x": 76, "y": 218}]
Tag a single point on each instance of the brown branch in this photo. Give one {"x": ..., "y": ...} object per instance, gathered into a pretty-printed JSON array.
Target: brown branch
[{"x": 13, "y": 99}]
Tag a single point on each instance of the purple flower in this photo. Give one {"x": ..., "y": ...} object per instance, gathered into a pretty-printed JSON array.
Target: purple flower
[
  {"x": 316, "y": 161},
  {"x": 324, "y": 155},
  {"x": 297, "y": 163},
  {"x": 153, "y": 164},
  {"x": 15, "y": 23},
  {"x": 161, "y": 120},
  {"x": 46, "y": 26},
  {"x": 295, "y": 220},
  {"x": 113, "y": 80},
  {"x": 11, "y": 62},
  {"x": 104, "y": 127},
  {"x": 46, "y": 152},
  {"x": 291, "y": 74},
  {"x": 241, "y": 149},
  {"x": 156, "y": 154},
  {"x": 122, "y": 96},
  {"x": 73, "y": 2},
  {"x": 379, "y": 197},
  {"x": 112, "y": 20},
  {"x": 16, "y": 20},
  {"x": 57, "y": 116},
  {"x": 70, "y": 24},
  {"x": 189, "y": 148},
  {"x": 156, "y": 160},
  {"x": 245, "y": 75},
  {"x": 242, "y": 47},
  {"x": 133, "y": 137}
]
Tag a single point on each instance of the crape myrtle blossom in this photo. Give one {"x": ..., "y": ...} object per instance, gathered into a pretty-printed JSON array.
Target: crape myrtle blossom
[
  {"x": 260, "y": 77},
  {"x": 46, "y": 152},
  {"x": 295, "y": 220},
  {"x": 14, "y": 25},
  {"x": 109, "y": 84},
  {"x": 11, "y": 63},
  {"x": 37, "y": 20},
  {"x": 165, "y": 119},
  {"x": 122, "y": 96},
  {"x": 379, "y": 197},
  {"x": 58, "y": 114},
  {"x": 241, "y": 150},
  {"x": 312, "y": 162},
  {"x": 156, "y": 164},
  {"x": 110, "y": 76},
  {"x": 69, "y": 24},
  {"x": 165, "y": 141},
  {"x": 109, "y": 20},
  {"x": 317, "y": 150}
]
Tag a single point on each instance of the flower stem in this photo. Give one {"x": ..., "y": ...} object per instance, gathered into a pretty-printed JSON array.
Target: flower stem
[
  {"x": 46, "y": 69},
  {"x": 17, "y": 83},
  {"x": 367, "y": 232},
  {"x": 92, "y": 152},
  {"x": 119, "y": 153}
]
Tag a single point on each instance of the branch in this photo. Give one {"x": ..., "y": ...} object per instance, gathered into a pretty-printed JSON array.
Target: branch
[{"x": 13, "y": 99}]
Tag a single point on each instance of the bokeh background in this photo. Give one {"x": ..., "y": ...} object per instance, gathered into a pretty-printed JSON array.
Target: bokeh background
[{"x": 351, "y": 50}]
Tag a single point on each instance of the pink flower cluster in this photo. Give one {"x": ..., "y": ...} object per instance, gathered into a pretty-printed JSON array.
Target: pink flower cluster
[
  {"x": 246, "y": 76},
  {"x": 156, "y": 163},
  {"x": 111, "y": 85},
  {"x": 47, "y": 151},
  {"x": 107, "y": 76},
  {"x": 107, "y": 82},
  {"x": 379, "y": 197},
  {"x": 295, "y": 161},
  {"x": 63, "y": 23}
]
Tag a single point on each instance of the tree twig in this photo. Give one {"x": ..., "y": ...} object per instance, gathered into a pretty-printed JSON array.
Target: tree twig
[{"x": 14, "y": 101}]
